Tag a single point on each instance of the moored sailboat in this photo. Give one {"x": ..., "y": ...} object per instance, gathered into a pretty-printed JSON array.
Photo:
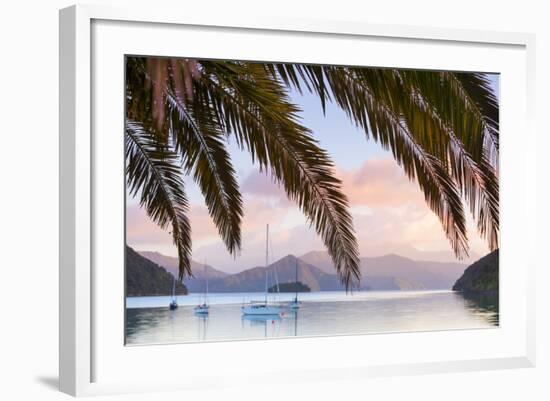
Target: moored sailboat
[
  {"x": 204, "y": 308},
  {"x": 262, "y": 307},
  {"x": 295, "y": 304},
  {"x": 173, "y": 302}
]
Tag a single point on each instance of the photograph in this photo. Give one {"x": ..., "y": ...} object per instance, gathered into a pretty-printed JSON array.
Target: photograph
[
  {"x": 234, "y": 200},
  {"x": 273, "y": 200}
]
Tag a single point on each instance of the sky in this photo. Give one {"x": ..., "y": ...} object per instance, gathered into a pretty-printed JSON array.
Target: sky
[{"x": 389, "y": 211}]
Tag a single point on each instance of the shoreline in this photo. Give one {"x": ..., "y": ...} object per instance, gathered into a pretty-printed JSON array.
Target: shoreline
[{"x": 237, "y": 298}]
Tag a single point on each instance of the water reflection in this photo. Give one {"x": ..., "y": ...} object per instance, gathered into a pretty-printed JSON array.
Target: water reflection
[
  {"x": 486, "y": 303},
  {"x": 367, "y": 313},
  {"x": 137, "y": 319},
  {"x": 202, "y": 326},
  {"x": 269, "y": 323}
]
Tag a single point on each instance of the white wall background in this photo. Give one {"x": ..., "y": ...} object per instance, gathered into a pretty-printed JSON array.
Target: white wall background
[{"x": 29, "y": 199}]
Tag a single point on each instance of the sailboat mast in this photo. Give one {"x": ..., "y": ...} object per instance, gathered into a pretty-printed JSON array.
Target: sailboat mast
[
  {"x": 206, "y": 275},
  {"x": 296, "y": 280},
  {"x": 266, "y": 258}
]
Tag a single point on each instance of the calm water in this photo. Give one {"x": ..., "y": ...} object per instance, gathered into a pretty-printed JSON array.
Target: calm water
[{"x": 149, "y": 321}]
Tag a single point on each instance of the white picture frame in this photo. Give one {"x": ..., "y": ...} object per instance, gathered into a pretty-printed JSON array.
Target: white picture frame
[{"x": 94, "y": 360}]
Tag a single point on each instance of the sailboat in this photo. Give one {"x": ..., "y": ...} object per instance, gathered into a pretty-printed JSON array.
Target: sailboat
[
  {"x": 295, "y": 304},
  {"x": 262, "y": 307},
  {"x": 173, "y": 302},
  {"x": 204, "y": 308}
]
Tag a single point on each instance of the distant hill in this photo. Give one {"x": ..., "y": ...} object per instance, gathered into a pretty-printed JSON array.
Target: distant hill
[
  {"x": 170, "y": 263},
  {"x": 481, "y": 276},
  {"x": 383, "y": 283},
  {"x": 321, "y": 259},
  {"x": 407, "y": 272},
  {"x": 315, "y": 269},
  {"x": 145, "y": 278},
  {"x": 430, "y": 275},
  {"x": 252, "y": 280}
]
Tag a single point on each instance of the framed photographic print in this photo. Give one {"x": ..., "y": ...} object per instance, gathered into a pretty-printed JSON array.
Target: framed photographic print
[{"x": 349, "y": 197}]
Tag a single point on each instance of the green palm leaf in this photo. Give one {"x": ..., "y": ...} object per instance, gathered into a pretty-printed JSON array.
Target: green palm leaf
[
  {"x": 256, "y": 110},
  {"x": 152, "y": 171},
  {"x": 191, "y": 129},
  {"x": 432, "y": 112},
  {"x": 463, "y": 136},
  {"x": 480, "y": 97},
  {"x": 370, "y": 107},
  {"x": 201, "y": 144},
  {"x": 444, "y": 122}
]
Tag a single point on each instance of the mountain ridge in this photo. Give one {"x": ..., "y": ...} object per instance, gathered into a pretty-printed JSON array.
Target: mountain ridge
[
  {"x": 146, "y": 278},
  {"x": 432, "y": 275},
  {"x": 170, "y": 263},
  {"x": 480, "y": 276},
  {"x": 387, "y": 272}
]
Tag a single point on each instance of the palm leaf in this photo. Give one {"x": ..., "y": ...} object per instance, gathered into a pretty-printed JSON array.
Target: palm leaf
[
  {"x": 192, "y": 130},
  {"x": 152, "y": 171},
  {"x": 438, "y": 110},
  {"x": 256, "y": 110},
  {"x": 369, "y": 105},
  {"x": 200, "y": 143},
  {"x": 478, "y": 93},
  {"x": 453, "y": 123}
]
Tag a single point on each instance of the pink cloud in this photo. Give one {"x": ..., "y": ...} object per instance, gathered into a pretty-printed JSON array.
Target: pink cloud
[
  {"x": 263, "y": 185},
  {"x": 202, "y": 226},
  {"x": 258, "y": 210},
  {"x": 140, "y": 229},
  {"x": 379, "y": 183},
  {"x": 142, "y": 232}
]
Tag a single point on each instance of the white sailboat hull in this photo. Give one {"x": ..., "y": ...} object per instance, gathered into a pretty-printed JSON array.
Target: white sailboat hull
[
  {"x": 295, "y": 305},
  {"x": 260, "y": 309},
  {"x": 202, "y": 309}
]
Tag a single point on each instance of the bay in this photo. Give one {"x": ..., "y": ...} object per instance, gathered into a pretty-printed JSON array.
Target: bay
[{"x": 149, "y": 321}]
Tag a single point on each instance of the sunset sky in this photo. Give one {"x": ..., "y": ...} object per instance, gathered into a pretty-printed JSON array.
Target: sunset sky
[{"x": 389, "y": 212}]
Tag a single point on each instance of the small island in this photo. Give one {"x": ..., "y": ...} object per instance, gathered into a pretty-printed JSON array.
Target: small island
[{"x": 290, "y": 287}]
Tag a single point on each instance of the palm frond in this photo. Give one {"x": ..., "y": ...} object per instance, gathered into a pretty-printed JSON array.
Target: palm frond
[
  {"x": 455, "y": 123},
  {"x": 440, "y": 116},
  {"x": 368, "y": 103},
  {"x": 200, "y": 143},
  {"x": 152, "y": 171},
  {"x": 477, "y": 90},
  {"x": 191, "y": 128},
  {"x": 256, "y": 110}
]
